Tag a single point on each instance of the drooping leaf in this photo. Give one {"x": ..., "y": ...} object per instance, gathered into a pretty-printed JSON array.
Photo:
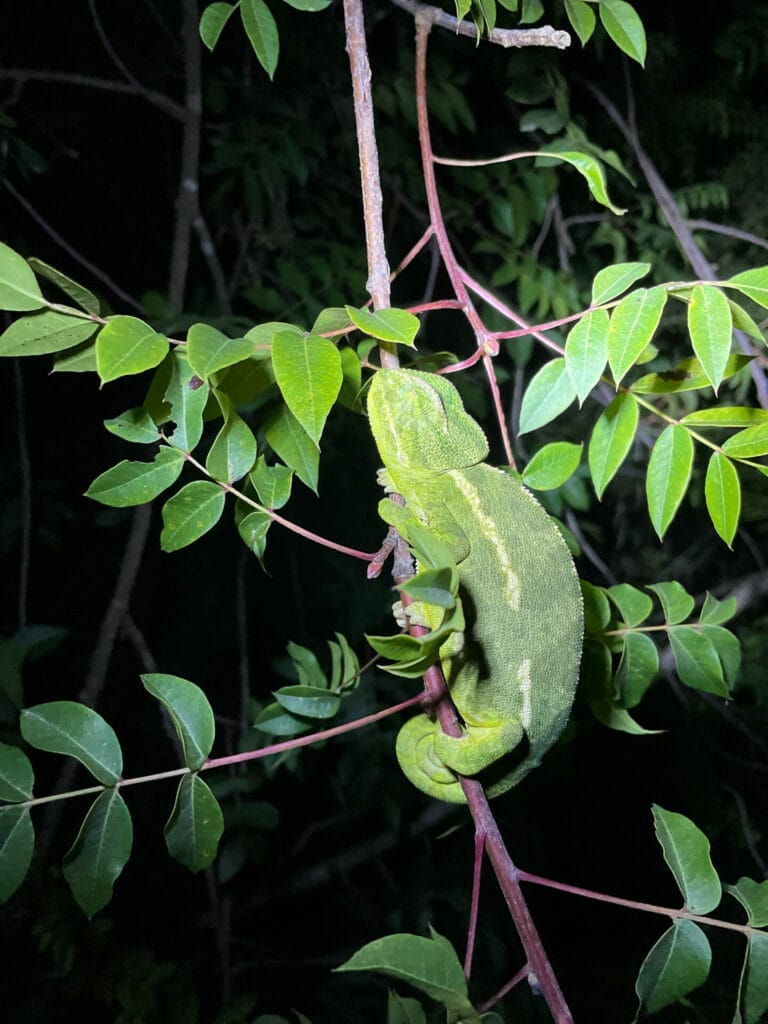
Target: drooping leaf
[
  {"x": 633, "y": 324},
  {"x": 17, "y": 844},
  {"x": 753, "y": 896},
  {"x": 622, "y": 24},
  {"x": 586, "y": 351},
  {"x": 213, "y": 20},
  {"x": 678, "y": 963},
  {"x": 190, "y": 513},
  {"x": 428, "y": 965},
  {"x": 727, "y": 648},
  {"x": 637, "y": 668},
  {"x": 293, "y": 445},
  {"x": 696, "y": 660},
  {"x": 262, "y": 32},
  {"x": 582, "y": 18},
  {"x": 274, "y": 720},
  {"x": 590, "y": 169},
  {"x": 135, "y": 483},
  {"x": 686, "y": 851},
  {"x": 611, "y": 440},
  {"x": 552, "y": 465},
  {"x": 66, "y": 727},
  {"x": 19, "y": 291},
  {"x": 195, "y": 826},
  {"x": 711, "y": 328},
  {"x": 234, "y": 448},
  {"x": 752, "y": 283},
  {"x": 754, "y": 980},
  {"x": 668, "y": 476},
  {"x": 187, "y": 396},
  {"x": 308, "y": 667},
  {"x": 308, "y": 373},
  {"x": 395, "y": 325},
  {"x": 597, "y": 610},
  {"x": 612, "y": 281},
  {"x": 126, "y": 345},
  {"x": 272, "y": 483},
  {"x": 722, "y": 493},
  {"x": 100, "y": 852},
  {"x": 190, "y": 712},
  {"x": 16, "y": 775},
  {"x": 549, "y": 393},
  {"x": 253, "y": 530}
]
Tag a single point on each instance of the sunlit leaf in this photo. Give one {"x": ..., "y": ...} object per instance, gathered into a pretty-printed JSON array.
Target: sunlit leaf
[
  {"x": 308, "y": 373},
  {"x": 126, "y": 345},
  {"x": 549, "y": 393},
  {"x": 586, "y": 351},
  {"x": 633, "y": 324},
  {"x": 668, "y": 476},
  {"x": 722, "y": 493},
  {"x": 611, "y": 440},
  {"x": 552, "y": 465},
  {"x": 190, "y": 513},
  {"x": 612, "y": 281},
  {"x": 711, "y": 329}
]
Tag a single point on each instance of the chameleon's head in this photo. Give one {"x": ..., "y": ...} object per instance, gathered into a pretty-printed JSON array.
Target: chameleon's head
[{"x": 419, "y": 422}]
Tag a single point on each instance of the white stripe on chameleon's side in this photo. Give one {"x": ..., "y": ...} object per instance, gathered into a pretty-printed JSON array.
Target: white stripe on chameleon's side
[
  {"x": 489, "y": 528},
  {"x": 524, "y": 683}
]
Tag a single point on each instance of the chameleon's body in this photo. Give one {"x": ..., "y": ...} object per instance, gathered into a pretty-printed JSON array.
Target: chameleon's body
[{"x": 514, "y": 679}]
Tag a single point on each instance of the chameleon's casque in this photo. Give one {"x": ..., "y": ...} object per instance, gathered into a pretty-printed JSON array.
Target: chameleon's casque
[{"x": 514, "y": 679}]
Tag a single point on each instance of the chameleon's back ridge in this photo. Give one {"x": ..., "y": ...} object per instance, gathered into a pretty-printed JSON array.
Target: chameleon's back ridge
[{"x": 513, "y": 681}]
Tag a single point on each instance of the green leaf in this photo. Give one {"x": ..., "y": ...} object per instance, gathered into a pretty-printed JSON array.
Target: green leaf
[
  {"x": 633, "y": 324},
  {"x": 188, "y": 396},
  {"x": 308, "y": 5},
  {"x": 190, "y": 513},
  {"x": 590, "y": 169},
  {"x": 686, "y": 851},
  {"x": 65, "y": 727},
  {"x": 726, "y": 416},
  {"x": 722, "y": 493},
  {"x": 77, "y": 292},
  {"x": 426, "y": 964},
  {"x": 293, "y": 445},
  {"x": 597, "y": 610},
  {"x": 752, "y": 283},
  {"x": 195, "y": 826},
  {"x": 715, "y": 613},
  {"x": 622, "y": 24},
  {"x": 331, "y": 320},
  {"x": 552, "y": 465},
  {"x": 586, "y": 351},
  {"x": 45, "y": 332},
  {"x": 308, "y": 701},
  {"x": 728, "y": 650},
  {"x": 190, "y": 713},
  {"x": 754, "y": 980},
  {"x": 748, "y": 443},
  {"x": 696, "y": 660},
  {"x": 675, "y": 600},
  {"x": 17, "y": 844},
  {"x": 742, "y": 321},
  {"x": 549, "y": 393},
  {"x": 208, "y": 350},
  {"x": 634, "y": 606},
  {"x": 308, "y": 373},
  {"x": 253, "y": 530},
  {"x": 669, "y": 473},
  {"x": 637, "y": 668},
  {"x": 307, "y": 666},
  {"x": 612, "y": 281},
  {"x": 80, "y": 359},
  {"x": 262, "y": 32},
  {"x": 135, "y": 483},
  {"x": 274, "y": 720},
  {"x": 133, "y": 425},
  {"x": 582, "y": 19},
  {"x": 212, "y": 22},
  {"x": 402, "y": 1010},
  {"x": 612, "y": 437},
  {"x": 688, "y": 375},
  {"x": 19, "y": 291},
  {"x": 100, "y": 852},
  {"x": 753, "y": 896},
  {"x": 16, "y": 775},
  {"x": 272, "y": 483},
  {"x": 127, "y": 345},
  {"x": 677, "y": 964},
  {"x": 395, "y": 325},
  {"x": 233, "y": 451},
  {"x": 711, "y": 328}
]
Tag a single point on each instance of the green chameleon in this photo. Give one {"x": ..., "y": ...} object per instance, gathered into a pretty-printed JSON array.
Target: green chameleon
[{"x": 513, "y": 674}]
